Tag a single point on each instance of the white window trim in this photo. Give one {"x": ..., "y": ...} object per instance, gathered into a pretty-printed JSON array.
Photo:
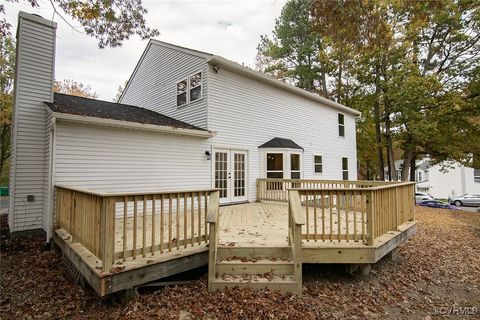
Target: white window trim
[
  {"x": 300, "y": 164},
  {"x": 187, "y": 100},
  {"x": 314, "y": 164},
  {"x": 343, "y": 125},
  {"x": 286, "y": 161}
]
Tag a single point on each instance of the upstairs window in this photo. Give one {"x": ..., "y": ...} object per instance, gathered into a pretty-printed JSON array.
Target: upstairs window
[
  {"x": 189, "y": 89},
  {"x": 341, "y": 125},
  {"x": 182, "y": 93},
  {"x": 196, "y": 87},
  {"x": 318, "y": 163},
  {"x": 345, "y": 168}
]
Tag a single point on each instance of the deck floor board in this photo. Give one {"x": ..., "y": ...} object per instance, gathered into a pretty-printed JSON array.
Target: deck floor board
[{"x": 248, "y": 224}]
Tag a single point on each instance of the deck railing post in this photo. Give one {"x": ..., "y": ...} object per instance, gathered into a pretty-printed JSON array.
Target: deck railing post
[
  {"x": 295, "y": 232},
  {"x": 258, "y": 189},
  {"x": 397, "y": 208},
  {"x": 107, "y": 232},
  {"x": 212, "y": 218},
  {"x": 412, "y": 199},
  {"x": 370, "y": 198}
]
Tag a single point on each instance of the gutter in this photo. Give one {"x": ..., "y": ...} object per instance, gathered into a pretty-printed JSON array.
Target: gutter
[
  {"x": 132, "y": 125},
  {"x": 259, "y": 76}
]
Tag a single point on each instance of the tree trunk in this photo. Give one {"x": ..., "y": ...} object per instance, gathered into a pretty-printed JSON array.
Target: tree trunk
[
  {"x": 4, "y": 147},
  {"x": 323, "y": 80},
  {"x": 368, "y": 171},
  {"x": 413, "y": 167},
  {"x": 407, "y": 160},
  {"x": 339, "y": 83},
  {"x": 392, "y": 171},
  {"x": 378, "y": 132}
]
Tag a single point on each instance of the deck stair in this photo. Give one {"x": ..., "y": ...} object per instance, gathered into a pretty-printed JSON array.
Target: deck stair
[{"x": 257, "y": 268}]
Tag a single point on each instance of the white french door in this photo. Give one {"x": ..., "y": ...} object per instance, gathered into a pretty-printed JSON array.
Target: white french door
[{"x": 230, "y": 175}]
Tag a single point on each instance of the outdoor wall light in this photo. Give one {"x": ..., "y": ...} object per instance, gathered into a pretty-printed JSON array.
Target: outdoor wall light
[{"x": 208, "y": 154}]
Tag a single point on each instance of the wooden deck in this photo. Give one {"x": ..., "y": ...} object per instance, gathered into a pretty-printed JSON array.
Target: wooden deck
[
  {"x": 153, "y": 236},
  {"x": 266, "y": 224}
]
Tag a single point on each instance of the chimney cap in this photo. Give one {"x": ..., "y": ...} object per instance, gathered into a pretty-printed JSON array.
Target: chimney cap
[{"x": 37, "y": 18}]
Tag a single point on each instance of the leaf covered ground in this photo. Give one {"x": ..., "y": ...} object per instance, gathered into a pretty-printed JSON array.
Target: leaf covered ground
[{"x": 436, "y": 269}]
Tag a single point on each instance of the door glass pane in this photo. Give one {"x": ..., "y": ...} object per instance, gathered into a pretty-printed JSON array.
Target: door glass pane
[
  {"x": 239, "y": 174},
  {"x": 295, "y": 162},
  {"x": 295, "y": 174},
  {"x": 221, "y": 173},
  {"x": 274, "y": 161},
  {"x": 274, "y": 165},
  {"x": 294, "y": 166},
  {"x": 274, "y": 174}
]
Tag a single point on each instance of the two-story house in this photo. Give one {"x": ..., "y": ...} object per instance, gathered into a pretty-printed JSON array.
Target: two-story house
[{"x": 187, "y": 119}]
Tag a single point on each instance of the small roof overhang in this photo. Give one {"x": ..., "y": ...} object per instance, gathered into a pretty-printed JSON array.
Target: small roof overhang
[{"x": 281, "y": 143}]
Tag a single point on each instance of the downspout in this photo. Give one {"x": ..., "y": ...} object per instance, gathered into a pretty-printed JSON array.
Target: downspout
[{"x": 51, "y": 179}]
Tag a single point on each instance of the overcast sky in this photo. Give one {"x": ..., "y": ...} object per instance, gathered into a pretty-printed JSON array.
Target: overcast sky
[{"x": 229, "y": 28}]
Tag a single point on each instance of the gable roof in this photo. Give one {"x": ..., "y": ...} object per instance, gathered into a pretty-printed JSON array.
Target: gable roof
[
  {"x": 280, "y": 143},
  {"x": 237, "y": 68},
  {"x": 73, "y": 105}
]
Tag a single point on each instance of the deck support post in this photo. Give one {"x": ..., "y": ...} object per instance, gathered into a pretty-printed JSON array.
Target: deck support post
[
  {"x": 392, "y": 255},
  {"x": 128, "y": 295}
]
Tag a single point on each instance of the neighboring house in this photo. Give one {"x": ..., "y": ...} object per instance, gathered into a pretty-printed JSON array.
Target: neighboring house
[
  {"x": 187, "y": 120},
  {"x": 452, "y": 181}
]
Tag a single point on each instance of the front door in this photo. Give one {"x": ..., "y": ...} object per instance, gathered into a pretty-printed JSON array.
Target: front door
[{"x": 230, "y": 174}]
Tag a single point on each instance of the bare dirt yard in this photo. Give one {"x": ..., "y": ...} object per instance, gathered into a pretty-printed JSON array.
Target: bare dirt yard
[{"x": 437, "y": 272}]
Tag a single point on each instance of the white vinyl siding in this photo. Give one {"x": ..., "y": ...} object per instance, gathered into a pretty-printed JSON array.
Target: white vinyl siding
[
  {"x": 246, "y": 113},
  {"x": 120, "y": 160},
  {"x": 154, "y": 84},
  {"x": 34, "y": 81}
]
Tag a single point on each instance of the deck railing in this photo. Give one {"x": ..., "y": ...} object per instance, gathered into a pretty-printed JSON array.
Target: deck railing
[
  {"x": 276, "y": 190},
  {"x": 121, "y": 226},
  {"x": 360, "y": 213}
]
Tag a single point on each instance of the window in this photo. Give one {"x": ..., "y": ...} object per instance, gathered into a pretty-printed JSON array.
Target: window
[
  {"x": 345, "y": 168},
  {"x": 317, "y": 162},
  {"x": 294, "y": 166},
  {"x": 195, "y": 87},
  {"x": 274, "y": 165},
  {"x": 341, "y": 125},
  {"x": 419, "y": 176},
  {"x": 181, "y": 93},
  {"x": 189, "y": 89},
  {"x": 476, "y": 175}
]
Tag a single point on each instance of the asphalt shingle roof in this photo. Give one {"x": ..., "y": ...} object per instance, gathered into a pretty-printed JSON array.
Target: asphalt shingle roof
[
  {"x": 280, "y": 143},
  {"x": 63, "y": 103}
]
